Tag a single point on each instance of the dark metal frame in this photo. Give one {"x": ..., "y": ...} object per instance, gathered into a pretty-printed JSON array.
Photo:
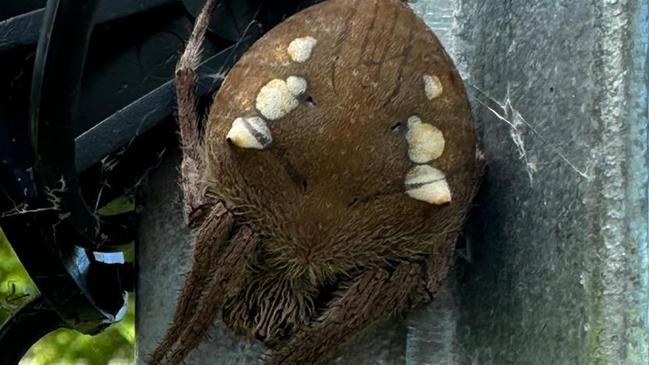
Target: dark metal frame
[
  {"x": 71, "y": 253},
  {"x": 56, "y": 238}
]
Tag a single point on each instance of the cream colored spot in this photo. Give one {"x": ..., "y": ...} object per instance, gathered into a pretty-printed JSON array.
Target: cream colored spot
[
  {"x": 275, "y": 100},
  {"x": 300, "y": 48},
  {"x": 428, "y": 184},
  {"x": 296, "y": 85},
  {"x": 426, "y": 142},
  {"x": 252, "y": 133},
  {"x": 433, "y": 87}
]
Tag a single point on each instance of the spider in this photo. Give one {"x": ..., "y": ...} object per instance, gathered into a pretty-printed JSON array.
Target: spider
[{"x": 335, "y": 170}]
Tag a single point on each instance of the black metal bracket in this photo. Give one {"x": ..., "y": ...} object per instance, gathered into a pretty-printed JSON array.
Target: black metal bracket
[
  {"x": 25, "y": 29},
  {"x": 31, "y": 322},
  {"x": 55, "y": 222},
  {"x": 68, "y": 249}
]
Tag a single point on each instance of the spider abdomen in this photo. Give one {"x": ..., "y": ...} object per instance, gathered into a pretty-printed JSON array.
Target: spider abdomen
[{"x": 344, "y": 137}]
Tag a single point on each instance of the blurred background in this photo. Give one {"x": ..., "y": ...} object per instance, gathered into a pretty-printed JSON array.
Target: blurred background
[{"x": 115, "y": 346}]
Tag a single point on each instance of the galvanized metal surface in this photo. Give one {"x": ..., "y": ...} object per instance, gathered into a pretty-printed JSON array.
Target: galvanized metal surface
[
  {"x": 560, "y": 269},
  {"x": 561, "y": 272}
]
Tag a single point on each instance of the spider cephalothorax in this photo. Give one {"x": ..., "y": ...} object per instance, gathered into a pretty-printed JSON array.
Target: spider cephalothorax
[{"x": 340, "y": 157}]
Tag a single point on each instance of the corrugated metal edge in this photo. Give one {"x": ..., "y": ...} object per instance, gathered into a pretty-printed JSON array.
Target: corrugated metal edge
[
  {"x": 619, "y": 302},
  {"x": 618, "y": 332}
]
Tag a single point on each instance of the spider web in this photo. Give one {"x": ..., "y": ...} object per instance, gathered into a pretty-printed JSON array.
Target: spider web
[{"x": 505, "y": 112}]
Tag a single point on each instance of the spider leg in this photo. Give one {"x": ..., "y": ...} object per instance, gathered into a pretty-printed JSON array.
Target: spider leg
[
  {"x": 188, "y": 118},
  {"x": 225, "y": 276},
  {"x": 371, "y": 296},
  {"x": 210, "y": 242}
]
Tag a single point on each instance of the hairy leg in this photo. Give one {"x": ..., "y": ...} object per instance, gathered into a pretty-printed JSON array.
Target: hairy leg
[
  {"x": 224, "y": 276},
  {"x": 188, "y": 119},
  {"x": 209, "y": 245},
  {"x": 371, "y": 296},
  {"x": 269, "y": 307},
  {"x": 207, "y": 281}
]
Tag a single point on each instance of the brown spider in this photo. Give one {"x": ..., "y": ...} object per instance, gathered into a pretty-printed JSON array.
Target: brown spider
[{"x": 334, "y": 175}]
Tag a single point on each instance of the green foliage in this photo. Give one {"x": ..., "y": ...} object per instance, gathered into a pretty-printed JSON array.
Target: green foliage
[
  {"x": 16, "y": 287},
  {"x": 115, "y": 346}
]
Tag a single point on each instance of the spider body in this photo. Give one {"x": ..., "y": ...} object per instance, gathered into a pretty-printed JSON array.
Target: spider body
[{"x": 338, "y": 164}]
